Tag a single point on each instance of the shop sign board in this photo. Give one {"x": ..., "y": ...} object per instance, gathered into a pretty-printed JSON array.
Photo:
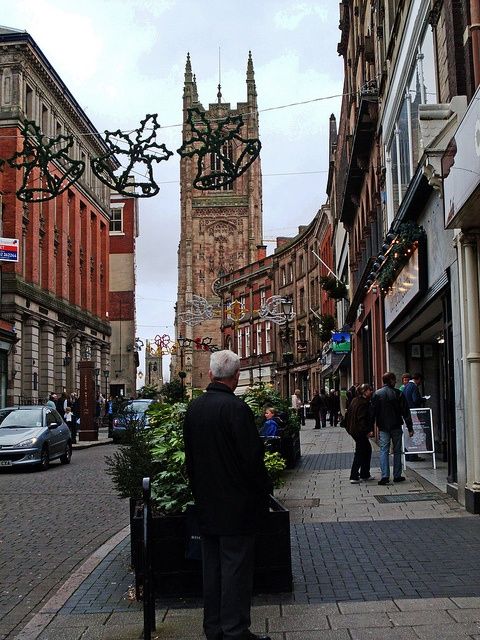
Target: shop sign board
[
  {"x": 422, "y": 440},
  {"x": 341, "y": 342},
  {"x": 404, "y": 290},
  {"x": 9, "y": 249},
  {"x": 461, "y": 171}
]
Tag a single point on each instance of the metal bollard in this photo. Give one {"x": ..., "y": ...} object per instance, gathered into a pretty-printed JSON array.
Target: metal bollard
[{"x": 148, "y": 590}]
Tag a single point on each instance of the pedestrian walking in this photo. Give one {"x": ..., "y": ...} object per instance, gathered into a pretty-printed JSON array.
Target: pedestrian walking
[
  {"x": 109, "y": 414},
  {"x": 359, "y": 425},
  {"x": 334, "y": 407},
  {"x": 389, "y": 410},
  {"x": 61, "y": 403},
  {"x": 406, "y": 377},
  {"x": 71, "y": 423},
  {"x": 351, "y": 394},
  {"x": 297, "y": 404},
  {"x": 323, "y": 408},
  {"x": 230, "y": 485},
  {"x": 315, "y": 404},
  {"x": 414, "y": 399},
  {"x": 52, "y": 401}
]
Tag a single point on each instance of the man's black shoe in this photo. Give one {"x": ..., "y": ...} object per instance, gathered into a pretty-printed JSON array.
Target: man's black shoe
[
  {"x": 400, "y": 479},
  {"x": 384, "y": 481},
  {"x": 254, "y": 636}
]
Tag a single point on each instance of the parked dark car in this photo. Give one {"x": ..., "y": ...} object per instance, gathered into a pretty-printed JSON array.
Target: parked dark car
[
  {"x": 33, "y": 435},
  {"x": 131, "y": 416}
]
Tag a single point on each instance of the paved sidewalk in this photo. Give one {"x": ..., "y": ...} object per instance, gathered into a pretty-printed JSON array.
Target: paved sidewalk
[{"x": 370, "y": 562}]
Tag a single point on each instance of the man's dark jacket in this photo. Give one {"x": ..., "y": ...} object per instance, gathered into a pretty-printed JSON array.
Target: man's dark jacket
[
  {"x": 412, "y": 395},
  {"x": 224, "y": 456},
  {"x": 389, "y": 409},
  {"x": 358, "y": 419}
]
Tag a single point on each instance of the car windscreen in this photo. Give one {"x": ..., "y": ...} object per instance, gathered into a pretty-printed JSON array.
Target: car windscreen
[
  {"x": 20, "y": 418},
  {"x": 137, "y": 407}
]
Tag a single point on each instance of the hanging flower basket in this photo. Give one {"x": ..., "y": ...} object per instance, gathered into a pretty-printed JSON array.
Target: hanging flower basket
[
  {"x": 336, "y": 289},
  {"x": 326, "y": 325}
]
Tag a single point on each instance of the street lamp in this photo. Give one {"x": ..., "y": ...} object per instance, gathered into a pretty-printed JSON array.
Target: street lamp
[
  {"x": 106, "y": 373},
  {"x": 182, "y": 343},
  {"x": 287, "y": 309}
]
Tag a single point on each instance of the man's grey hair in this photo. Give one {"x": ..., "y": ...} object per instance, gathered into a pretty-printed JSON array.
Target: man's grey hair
[{"x": 224, "y": 364}]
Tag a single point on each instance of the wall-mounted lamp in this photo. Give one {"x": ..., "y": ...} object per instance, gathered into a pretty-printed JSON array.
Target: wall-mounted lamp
[
  {"x": 440, "y": 338},
  {"x": 67, "y": 359}
]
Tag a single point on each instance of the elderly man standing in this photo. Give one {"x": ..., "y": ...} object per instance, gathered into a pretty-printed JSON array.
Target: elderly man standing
[
  {"x": 389, "y": 410},
  {"x": 230, "y": 485}
]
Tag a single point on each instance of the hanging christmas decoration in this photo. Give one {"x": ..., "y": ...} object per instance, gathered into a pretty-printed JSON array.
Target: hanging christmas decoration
[
  {"x": 222, "y": 154},
  {"x": 385, "y": 272},
  {"x": 40, "y": 181},
  {"x": 236, "y": 311},
  {"x": 197, "y": 310},
  {"x": 139, "y": 149},
  {"x": 272, "y": 310}
]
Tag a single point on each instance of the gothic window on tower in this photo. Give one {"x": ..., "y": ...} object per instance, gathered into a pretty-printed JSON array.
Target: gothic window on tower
[{"x": 217, "y": 164}]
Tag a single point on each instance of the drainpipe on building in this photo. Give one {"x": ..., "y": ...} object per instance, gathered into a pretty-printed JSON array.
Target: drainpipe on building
[
  {"x": 469, "y": 246},
  {"x": 475, "y": 31}
]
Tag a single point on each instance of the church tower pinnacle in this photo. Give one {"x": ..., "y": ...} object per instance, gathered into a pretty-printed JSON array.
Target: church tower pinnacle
[{"x": 220, "y": 227}]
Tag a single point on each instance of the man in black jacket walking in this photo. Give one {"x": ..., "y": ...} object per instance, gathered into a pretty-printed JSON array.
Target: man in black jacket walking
[{"x": 230, "y": 485}]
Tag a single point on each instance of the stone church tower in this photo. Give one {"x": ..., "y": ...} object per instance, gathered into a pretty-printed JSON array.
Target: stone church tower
[{"x": 221, "y": 229}]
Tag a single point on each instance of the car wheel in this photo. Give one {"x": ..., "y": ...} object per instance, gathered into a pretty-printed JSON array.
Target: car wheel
[
  {"x": 67, "y": 456},
  {"x": 44, "y": 459}
]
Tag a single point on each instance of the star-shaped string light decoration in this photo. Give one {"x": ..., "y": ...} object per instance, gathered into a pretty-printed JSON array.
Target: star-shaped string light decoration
[
  {"x": 140, "y": 150},
  {"x": 212, "y": 138},
  {"x": 40, "y": 182}
]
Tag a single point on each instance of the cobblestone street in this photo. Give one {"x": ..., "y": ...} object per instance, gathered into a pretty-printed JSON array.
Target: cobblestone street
[{"x": 52, "y": 522}]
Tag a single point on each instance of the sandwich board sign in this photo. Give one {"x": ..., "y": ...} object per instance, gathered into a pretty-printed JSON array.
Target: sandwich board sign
[
  {"x": 422, "y": 440},
  {"x": 9, "y": 249}
]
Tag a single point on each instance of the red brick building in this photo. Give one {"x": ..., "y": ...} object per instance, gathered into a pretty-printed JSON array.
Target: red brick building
[
  {"x": 56, "y": 295},
  {"x": 243, "y": 293}
]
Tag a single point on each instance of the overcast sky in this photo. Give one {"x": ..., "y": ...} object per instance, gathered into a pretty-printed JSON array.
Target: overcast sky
[{"x": 122, "y": 59}]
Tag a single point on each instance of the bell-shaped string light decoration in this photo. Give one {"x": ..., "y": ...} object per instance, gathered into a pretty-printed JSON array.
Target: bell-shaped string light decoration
[
  {"x": 138, "y": 150},
  {"x": 222, "y": 153},
  {"x": 48, "y": 170}
]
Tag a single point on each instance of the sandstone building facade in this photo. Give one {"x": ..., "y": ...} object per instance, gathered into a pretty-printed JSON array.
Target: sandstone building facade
[{"x": 220, "y": 228}]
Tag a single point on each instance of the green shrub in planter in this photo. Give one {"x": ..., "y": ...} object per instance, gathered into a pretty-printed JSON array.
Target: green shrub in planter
[
  {"x": 159, "y": 453},
  {"x": 275, "y": 466},
  {"x": 170, "y": 489}
]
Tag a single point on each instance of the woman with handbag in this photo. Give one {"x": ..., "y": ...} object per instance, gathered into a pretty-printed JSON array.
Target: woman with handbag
[{"x": 359, "y": 425}]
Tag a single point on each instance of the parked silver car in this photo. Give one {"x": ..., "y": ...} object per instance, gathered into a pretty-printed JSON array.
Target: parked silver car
[{"x": 33, "y": 435}]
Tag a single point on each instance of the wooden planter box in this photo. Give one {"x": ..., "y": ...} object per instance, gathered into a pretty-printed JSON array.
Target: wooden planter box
[
  {"x": 290, "y": 450},
  {"x": 174, "y": 575}
]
